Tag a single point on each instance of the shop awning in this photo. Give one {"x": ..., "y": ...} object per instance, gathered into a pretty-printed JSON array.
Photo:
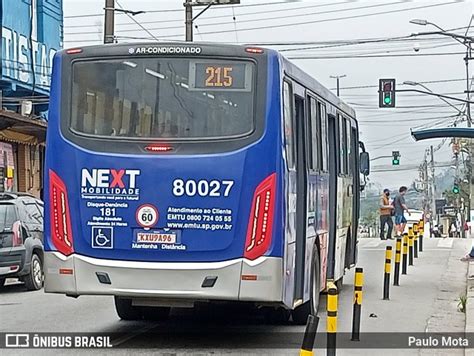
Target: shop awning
[{"x": 21, "y": 129}]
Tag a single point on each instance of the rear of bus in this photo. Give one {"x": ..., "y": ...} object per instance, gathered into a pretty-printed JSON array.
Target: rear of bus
[{"x": 163, "y": 181}]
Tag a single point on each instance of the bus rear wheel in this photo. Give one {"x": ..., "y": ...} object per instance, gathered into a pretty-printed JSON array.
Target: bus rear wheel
[
  {"x": 156, "y": 313},
  {"x": 126, "y": 311},
  {"x": 301, "y": 313}
]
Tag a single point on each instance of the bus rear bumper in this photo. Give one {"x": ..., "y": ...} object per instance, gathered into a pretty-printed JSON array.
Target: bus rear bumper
[{"x": 237, "y": 280}]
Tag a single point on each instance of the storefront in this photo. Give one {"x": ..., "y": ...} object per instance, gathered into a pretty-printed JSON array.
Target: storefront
[{"x": 31, "y": 33}]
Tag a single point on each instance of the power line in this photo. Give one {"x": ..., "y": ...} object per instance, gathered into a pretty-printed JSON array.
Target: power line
[
  {"x": 179, "y": 10},
  {"x": 256, "y": 19},
  {"x": 317, "y": 21},
  {"x": 220, "y": 16},
  {"x": 378, "y": 55},
  {"x": 344, "y": 41},
  {"x": 406, "y": 120},
  {"x": 421, "y": 82},
  {"x": 401, "y": 40},
  {"x": 139, "y": 24}
]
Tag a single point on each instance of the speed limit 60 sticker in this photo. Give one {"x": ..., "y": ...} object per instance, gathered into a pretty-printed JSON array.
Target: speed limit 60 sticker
[{"x": 147, "y": 215}]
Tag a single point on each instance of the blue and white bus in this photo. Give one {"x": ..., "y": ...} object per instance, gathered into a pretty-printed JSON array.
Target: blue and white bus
[{"x": 180, "y": 173}]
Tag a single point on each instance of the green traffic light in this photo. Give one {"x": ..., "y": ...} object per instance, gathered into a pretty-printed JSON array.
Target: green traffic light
[
  {"x": 395, "y": 162},
  {"x": 456, "y": 189},
  {"x": 387, "y": 100}
]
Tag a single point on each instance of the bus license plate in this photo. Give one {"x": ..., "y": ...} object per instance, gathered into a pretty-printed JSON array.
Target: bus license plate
[{"x": 156, "y": 237}]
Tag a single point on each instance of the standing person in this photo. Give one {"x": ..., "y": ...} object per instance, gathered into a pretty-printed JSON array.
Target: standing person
[
  {"x": 385, "y": 209},
  {"x": 400, "y": 208}
]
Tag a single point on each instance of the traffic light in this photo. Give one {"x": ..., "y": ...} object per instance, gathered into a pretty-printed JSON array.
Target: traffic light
[
  {"x": 386, "y": 93},
  {"x": 395, "y": 158},
  {"x": 456, "y": 189}
]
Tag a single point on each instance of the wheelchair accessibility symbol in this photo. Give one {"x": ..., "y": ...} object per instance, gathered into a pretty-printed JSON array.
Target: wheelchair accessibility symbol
[{"x": 102, "y": 237}]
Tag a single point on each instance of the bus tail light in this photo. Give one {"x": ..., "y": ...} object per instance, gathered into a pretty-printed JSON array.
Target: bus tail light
[
  {"x": 254, "y": 50},
  {"x": 74, "y": 50},
  {"x": 158, "y": 148},
  {"x": 259, "y": 231},
  {"x": 61, "y": 231}
]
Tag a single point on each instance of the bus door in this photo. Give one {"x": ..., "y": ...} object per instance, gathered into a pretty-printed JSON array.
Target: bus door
[
  {"x": 350, "y": 190},
  {"x": 340, "y": 196},
  {"x": 333, "y": 172},
  {"x": 354, "y": 161},
  {"x": 301, "y": 258}
]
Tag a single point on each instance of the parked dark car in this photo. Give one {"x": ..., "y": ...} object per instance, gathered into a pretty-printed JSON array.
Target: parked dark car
[{"x": 21, "y": 239}]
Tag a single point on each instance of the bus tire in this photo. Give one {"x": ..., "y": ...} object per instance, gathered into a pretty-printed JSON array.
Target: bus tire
[
  {"x": 156, "y": 313},
  {"x": 34, "y": 279},
  {"x": 301, "y": 313},
  {"x": 339, "y": 284},
  {"x": 126, "y": 311},
  {"x": 276, "y": 315}
]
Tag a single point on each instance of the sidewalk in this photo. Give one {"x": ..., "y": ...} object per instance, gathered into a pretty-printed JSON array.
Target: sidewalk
[{"x": 470, "y": 305}]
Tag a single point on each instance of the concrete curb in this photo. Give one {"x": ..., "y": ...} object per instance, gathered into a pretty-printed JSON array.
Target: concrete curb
[{"x": 470, "y": 305}]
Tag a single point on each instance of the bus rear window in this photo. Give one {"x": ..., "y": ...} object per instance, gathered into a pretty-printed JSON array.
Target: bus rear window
[{"x": 165, "y": 98}]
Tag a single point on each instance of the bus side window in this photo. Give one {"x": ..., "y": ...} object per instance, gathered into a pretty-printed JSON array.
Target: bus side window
[
  {"x": 288, "y": 121},
  {"x": 324, "y": 137},
  {"x": 315, "y": 136}
]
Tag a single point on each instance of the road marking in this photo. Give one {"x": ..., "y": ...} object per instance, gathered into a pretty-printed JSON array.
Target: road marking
[{"x": 446, "y": 243}]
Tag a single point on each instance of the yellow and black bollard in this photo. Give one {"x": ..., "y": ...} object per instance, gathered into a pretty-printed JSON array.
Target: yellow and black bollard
[
  {"x": 405, "y": 253},
  {"x": 398, "y": 252},
  {"x": 415, "y": 240},
  {"x": 358, "y": 282},
  {"x": 388, "y": 266},
  {"x": 309, "y": 336},
  {"x": 331, "y": 325},
  {"x": 410, "y": 246},
  {"x": 421, "y": 231}
]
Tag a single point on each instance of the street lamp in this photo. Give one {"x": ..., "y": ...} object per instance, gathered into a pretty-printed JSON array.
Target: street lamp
[
  {"x": 337, "y": 77},
  {"x": 419, "y": 22},
  {"x": 412, "y": 83},
  {"x": 465, "y": 41},
  {"x": 188, "y": 5}
]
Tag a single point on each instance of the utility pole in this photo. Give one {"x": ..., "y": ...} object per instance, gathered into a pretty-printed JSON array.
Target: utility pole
[
  {"x": 188, "y": 20},
  {"x": 433, "y": 182},
  {"x": 337, "y": 77},
  {"x": 109, "y": 21},
  {"x": 425, "y": 183}
]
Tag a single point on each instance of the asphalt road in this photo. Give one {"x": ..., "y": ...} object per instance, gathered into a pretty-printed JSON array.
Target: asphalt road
[{"x": 426, "y": 300}]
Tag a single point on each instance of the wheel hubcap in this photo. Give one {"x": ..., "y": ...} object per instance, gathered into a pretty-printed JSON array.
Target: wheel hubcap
[{"x": 37, "y": 273}]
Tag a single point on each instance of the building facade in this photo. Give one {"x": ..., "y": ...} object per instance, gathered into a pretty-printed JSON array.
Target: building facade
[{"x": 32, "y": 32}]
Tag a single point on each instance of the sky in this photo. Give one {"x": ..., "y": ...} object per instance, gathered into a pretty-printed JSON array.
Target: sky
[{"x": 321, "y": 30}]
